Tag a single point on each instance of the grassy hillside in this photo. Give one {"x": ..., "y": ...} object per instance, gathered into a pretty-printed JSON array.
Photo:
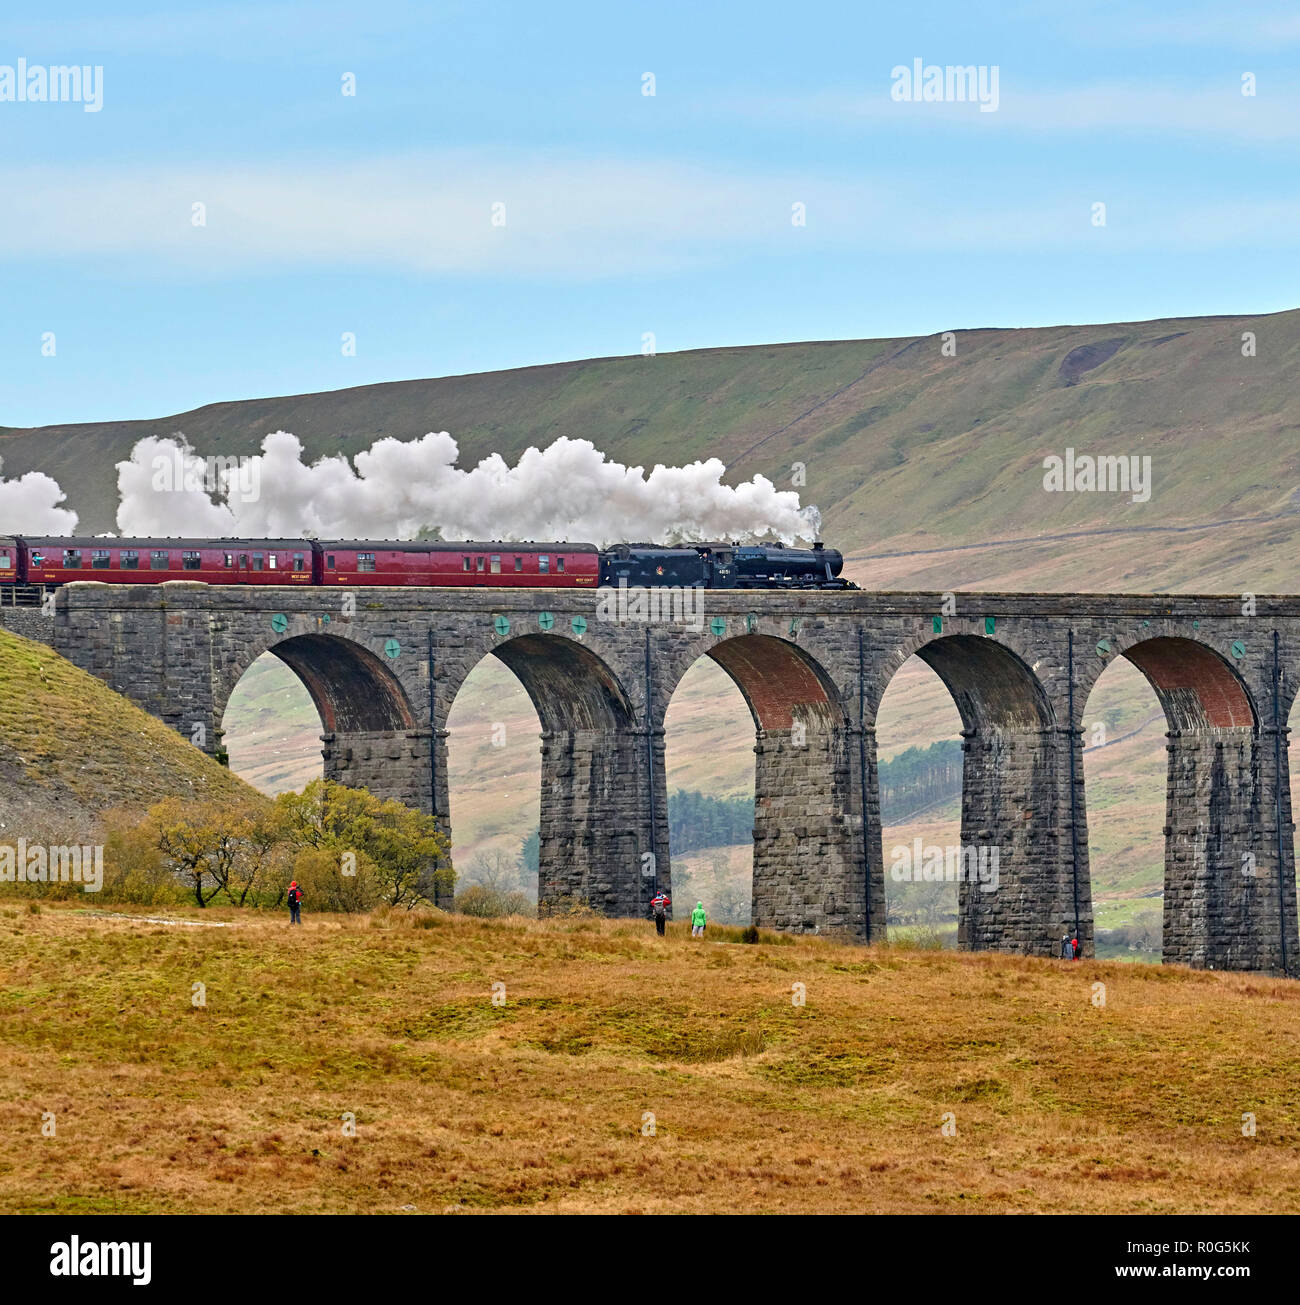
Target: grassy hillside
[
  {"x": 540, "y": 1104},
  {"x": 904, "y": 447},
  {"x": 70, "y": 748}
]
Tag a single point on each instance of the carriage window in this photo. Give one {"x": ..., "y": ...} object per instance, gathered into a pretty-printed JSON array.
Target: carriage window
[
  {"x": 478, "y": 562},
  {"x": 298, "y": 562},
  {"x": 543, "y": 563},
  {"x": 559, "y": 564},
  {"x": 38, "y": 559},
  {"x": 228, "y": 559},
  {"x": 71, "y": 558},
  {"x": 464, "y": 564},
  {"x": 496, "y": 564},
  {"x": 257, "y": 561},
  {"x": 329, "y": 560},
  {"x": 128, "y": 560},
  {"x": 519, "y": 563},
  {"x": 365, "y": 561},
  {"x": 99, "y": 559},
  {"x": 5, "y": 563},
  {"x": 271, "y": 562},
  {"x": 191, "y": 561},
  {"x": 159, "y": 559}
]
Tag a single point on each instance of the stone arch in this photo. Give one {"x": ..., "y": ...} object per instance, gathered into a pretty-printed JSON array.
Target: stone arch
[
  {"x": 1198, "y": 688},
  {"x": 353, "y": 689},
  {"x": 1015, "y": 875},
  {"x": 807, "y": 865},
  {"x": 991, "y": 681},
  {"x": 371, "y": 736},
  {"x": 781, "y": 682},
  {"x": 1220, "y": 887},
  {"x": 571, "y": 686},
  {"x": 592, "y": 828}
]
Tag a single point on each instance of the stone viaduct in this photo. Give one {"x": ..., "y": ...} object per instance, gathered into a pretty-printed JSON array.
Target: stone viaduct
[{"x": 813, "y": 667}]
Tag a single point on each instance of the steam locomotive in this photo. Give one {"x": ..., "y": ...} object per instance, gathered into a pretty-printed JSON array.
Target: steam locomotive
[{"x": 30, "y": 566}]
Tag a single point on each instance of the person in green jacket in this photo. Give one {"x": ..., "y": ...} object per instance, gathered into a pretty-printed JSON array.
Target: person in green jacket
[{"x": 698, "y": 921}]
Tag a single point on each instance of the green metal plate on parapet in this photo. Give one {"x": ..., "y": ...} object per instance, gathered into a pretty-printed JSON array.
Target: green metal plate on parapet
[
  {"x": 501, "y": 625},
  {"x": 1238, "y": 649},
  {"x": 718, "y": 626},
  {"x": 936, "y": 624},
  {"x": 1103, "y": 647},
  {"x": 990, "y": 624},
  {"x": 546, "y": 620},
  {"x": 392, "y": 649},
  {"x": 279, "y": 623},
  {"x": 794, "y": 626},
  {"x": 751, "y": 622},
  {"x": 579, "y": 625}
]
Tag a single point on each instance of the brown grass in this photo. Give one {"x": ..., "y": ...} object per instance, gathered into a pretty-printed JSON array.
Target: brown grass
[{"x": 759, "y": 1105}]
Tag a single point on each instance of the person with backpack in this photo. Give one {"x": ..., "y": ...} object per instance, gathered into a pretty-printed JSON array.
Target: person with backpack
[
  {"x": 295, "y": 903},
  {"x": 698, "y": 921},
  {"x": 1067, "y": 948},
  {"x": 1076, "y": 947},
  {"x": 659, "y": 905}
]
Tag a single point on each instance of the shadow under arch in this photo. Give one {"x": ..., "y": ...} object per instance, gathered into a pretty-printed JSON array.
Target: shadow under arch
[
  {"x": 1220, "y": 899},
  {"x": 807, "y": 874},
  {"x": 780, "y": 682},
  {"x": 1014, "y": 875},
  {"x": 1198, "y": 688},
  {"x": 352, "y": 688},
  {"x": 571, "y": 687},
  {"x": 990, "y": 684}
]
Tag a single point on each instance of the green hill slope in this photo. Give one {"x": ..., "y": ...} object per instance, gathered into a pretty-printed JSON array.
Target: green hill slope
[
  {"x": 71, "y": 748},
  {"x": 903, "y": 446}
]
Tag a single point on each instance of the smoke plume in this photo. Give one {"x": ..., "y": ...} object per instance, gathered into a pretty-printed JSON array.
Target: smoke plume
[
  {"x": 396, "y": 489},
  {"x": 30, "y": 506}
]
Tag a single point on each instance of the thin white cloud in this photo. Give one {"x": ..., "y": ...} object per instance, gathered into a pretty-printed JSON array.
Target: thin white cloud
[
  {"x": 1271, "y": 114},
  {"x": 569, "y": 219},
  {"x": 575, "y": 218}
]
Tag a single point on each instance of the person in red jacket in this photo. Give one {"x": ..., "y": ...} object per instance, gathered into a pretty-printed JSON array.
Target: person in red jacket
[
  {"x": 659, "y": 905},
  {"x": 1074, "y": 943},
  {"x": 295, "y": 903}
]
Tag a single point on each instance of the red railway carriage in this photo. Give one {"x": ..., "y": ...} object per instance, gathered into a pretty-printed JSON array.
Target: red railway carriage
[
  {"x": 51, "y": 561},
  {"x": 351, "y": 562}
]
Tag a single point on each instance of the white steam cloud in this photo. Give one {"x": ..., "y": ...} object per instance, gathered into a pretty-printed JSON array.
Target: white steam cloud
[
  {"x": 30, "y": 506},
  {"x": 569, "y": 490}
]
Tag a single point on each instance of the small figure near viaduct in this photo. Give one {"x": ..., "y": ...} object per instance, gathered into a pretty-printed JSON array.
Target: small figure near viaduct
[{"x": 813, "y": 668}]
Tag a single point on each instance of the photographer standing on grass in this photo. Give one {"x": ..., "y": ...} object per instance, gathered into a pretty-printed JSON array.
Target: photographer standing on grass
[{"x": 295, "y": 903}]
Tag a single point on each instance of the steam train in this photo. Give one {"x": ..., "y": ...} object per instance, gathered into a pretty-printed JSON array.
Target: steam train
[{"x": 30, "y": 566}]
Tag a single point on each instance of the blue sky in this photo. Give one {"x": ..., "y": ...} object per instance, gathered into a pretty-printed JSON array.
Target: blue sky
[{"x": 624, "y": 213}]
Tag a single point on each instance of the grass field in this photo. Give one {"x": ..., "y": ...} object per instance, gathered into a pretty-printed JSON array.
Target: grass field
[{"x": 539, "y": 1104}]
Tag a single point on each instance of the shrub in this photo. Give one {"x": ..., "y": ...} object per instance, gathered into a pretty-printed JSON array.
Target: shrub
[{"x": 489, "y": 903}]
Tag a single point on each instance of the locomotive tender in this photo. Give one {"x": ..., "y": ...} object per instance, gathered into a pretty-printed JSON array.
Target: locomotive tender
[{"x": 30, "y": 566}]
